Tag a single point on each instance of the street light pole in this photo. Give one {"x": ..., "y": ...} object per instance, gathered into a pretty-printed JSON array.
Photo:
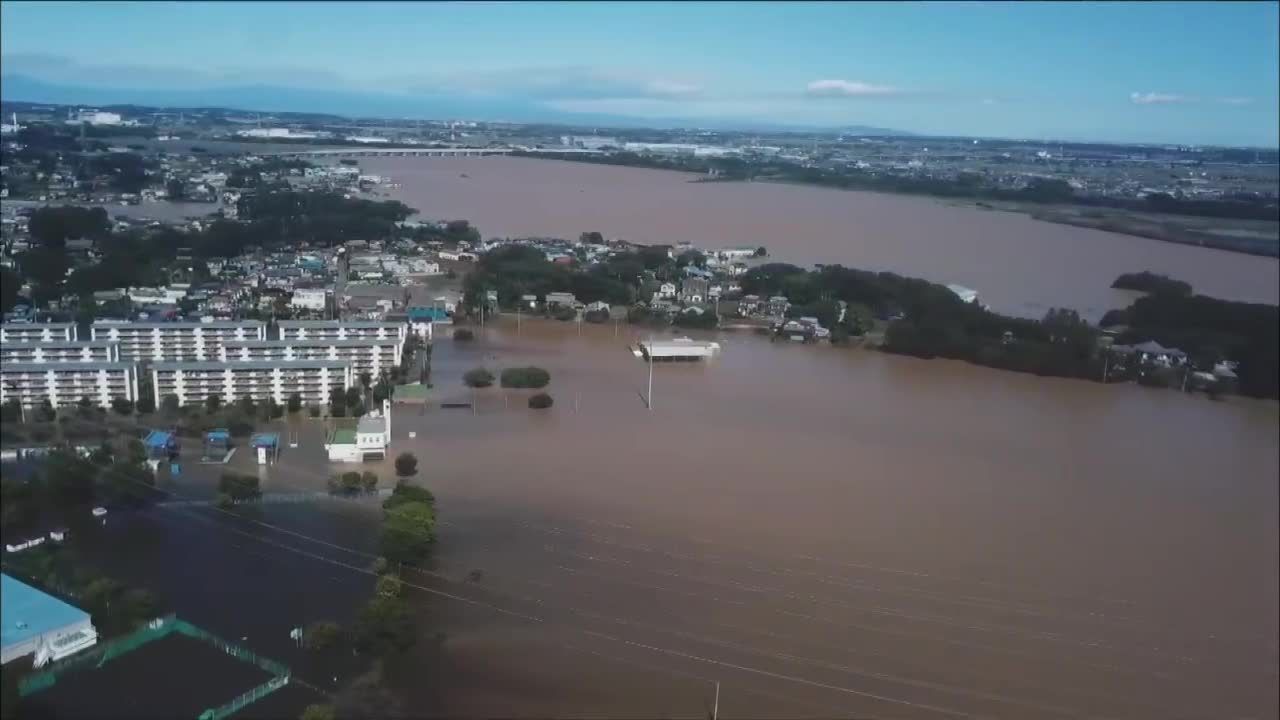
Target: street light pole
[{"x": 649, "y": 353}]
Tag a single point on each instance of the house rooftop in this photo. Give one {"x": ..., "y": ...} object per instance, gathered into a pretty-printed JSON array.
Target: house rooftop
[{"x": 27, "y": 612}]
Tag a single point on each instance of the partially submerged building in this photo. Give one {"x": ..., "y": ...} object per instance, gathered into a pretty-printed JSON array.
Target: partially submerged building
[{"x": 37, "y": 623}]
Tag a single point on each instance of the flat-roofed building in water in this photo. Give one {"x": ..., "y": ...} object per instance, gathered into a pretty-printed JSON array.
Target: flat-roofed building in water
[
  {"x": 316, "y": 381},
  {"x": 65, "y": 383},
  {"x": 38, "y": 332},
  {"x": 342, "y": 330},
  {"x": 37, "y": 623},
  {"x": 59, "y": 351},
  {"x": 176, "y": 341}
]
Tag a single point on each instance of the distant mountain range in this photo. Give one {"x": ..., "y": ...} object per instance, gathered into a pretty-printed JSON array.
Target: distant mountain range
[{"x": 269, "y": 99}]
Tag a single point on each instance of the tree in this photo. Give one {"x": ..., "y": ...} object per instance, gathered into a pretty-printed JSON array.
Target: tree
[
  {"x": 321, "y": 635},
  {"x": 295, "y": 403},
  {"x": 239, "y": 487},
  {"x": 525, "y": 377},
  {"x": 103, "y": 454},
  {"x": 69, "y": 478},
  {"x": 407, "y": 532},
  {"x": 388, "y": 586},
  {"x": 176, "y": 189},
  {"x": 385, "y": 626},
  {"x": 246, "y": 406},
  {"x": 213, "y": 402},
  {"x": 10, "y": 283},
  {"x": 169, "y": 404},
  {"x": 122, "y": 406},
  {"x": 353, "y": 396},
  {"x": 129, "y": 484},
  {"x": 405, "y": 492},
  {"x": 146, "y": 403},
  {"x": 761, "y": 251},
  {"x": 45, "y": 412},
  {"x": 338, "y": 406},
  {"x": 366, "y": 380},
  {"x": 478, "y": 378},
  {"x": 317, "y": 711},
  {"x": 541, "y": 401},
  {"x": 135, "y": 452},
  {"x": 369, "y": 481},
  {"x": 406, "y": 465},
  {"x": 11, "y": 411}
]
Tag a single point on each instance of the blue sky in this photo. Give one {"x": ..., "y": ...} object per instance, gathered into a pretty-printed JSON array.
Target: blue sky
[{"x": 1156, "y": 72}]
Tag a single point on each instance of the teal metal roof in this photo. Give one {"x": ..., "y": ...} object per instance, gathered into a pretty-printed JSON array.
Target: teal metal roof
[{"x": 26, "y": 612}]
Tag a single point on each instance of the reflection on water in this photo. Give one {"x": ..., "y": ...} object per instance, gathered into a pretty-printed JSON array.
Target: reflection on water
[
  {"x": 826, "y": 532},
  {"x": 1019, "y": 265}
]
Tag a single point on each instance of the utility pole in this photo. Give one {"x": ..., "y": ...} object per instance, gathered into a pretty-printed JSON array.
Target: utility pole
[
  {"x": 715, "y": 709},
  {"x": 1106, "y": 357},
  {"x": 649, "y": 354}
]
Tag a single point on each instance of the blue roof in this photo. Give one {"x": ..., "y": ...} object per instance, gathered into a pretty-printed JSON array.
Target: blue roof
[
  {"x": 158, "y": 440},
  {"x": 265, "y": 440},
  {"x": 26, "y": 612},
  {"x": 218, "y": 436},
  {"x": 420, "y": 312}
]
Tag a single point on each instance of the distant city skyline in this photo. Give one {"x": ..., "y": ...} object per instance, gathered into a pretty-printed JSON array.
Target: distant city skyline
[{"x": 1185, "y": 73}]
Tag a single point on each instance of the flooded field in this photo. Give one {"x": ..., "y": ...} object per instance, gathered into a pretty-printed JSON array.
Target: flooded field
[
  {"x": 825, "y": 532},
  {"x": 1017, "y": 264}
]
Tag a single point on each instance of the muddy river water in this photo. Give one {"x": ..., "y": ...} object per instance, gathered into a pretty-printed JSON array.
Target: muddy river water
[
  {"x": 1018, "y": 265},
  {"x": 825, "y": 532}
]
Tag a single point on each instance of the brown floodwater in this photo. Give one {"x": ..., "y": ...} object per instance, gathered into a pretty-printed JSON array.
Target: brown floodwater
[
  {"x": 1017, "y": 264},
  {"x": 825, "y": 532}
]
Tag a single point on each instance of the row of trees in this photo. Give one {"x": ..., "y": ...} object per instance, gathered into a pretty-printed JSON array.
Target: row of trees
[{"x": 67, "y": 485}]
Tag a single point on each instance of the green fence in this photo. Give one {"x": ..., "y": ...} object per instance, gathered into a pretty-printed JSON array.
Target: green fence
[{"x": 155, "y": 630}]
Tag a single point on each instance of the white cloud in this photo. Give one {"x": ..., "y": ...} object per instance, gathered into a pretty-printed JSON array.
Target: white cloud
[
  {"x": 1236, "y": 100},
  {"x": 848, "y": 88},
  {"x": 1155, "y": 98},
  {"x": 672, "y": 88}
]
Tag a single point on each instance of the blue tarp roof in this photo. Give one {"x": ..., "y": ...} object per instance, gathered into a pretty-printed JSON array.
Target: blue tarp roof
[
  {"x": 158, "y": 440},
  {"x": 27, "y": 612},
  {"x": 218, "y": 436},
  {"x": 421, "y": 312},
  {"x": 267, "y": 440}
]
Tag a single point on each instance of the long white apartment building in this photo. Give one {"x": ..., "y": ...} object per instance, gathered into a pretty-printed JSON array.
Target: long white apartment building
[
  {"x": 38, "y": 332},
  {"x": 371, "y": 355},
  {"x": 59, "y": 351},
  {"x": 342, "y": 330},
  {"x": 65, "y": 383},
  {"x": 176, "y": 341},
  {"x": 193, "y": 382}
]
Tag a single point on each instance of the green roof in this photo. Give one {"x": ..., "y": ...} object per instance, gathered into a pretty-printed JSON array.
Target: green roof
[
  {"x": 343, "y": 436},
  {"x": 417, "y": 391}
]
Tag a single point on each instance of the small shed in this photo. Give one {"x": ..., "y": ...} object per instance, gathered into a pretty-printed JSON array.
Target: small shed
[
  {"x": 217, "y": 442},
  {"x": 161, "y": 444}
]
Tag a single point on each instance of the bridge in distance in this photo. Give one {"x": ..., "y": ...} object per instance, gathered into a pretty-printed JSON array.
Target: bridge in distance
[{"x": 422, "y": 152}]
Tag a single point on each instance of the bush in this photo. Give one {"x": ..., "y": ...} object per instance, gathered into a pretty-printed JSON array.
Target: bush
[
  {"x": 478, "y": 378},
  {"x": 525, "y": 377},
  {"x": 314, "y": 411},
  {"x": 239, "y": 487},
  {"x": 122, "y": 406},
  {"x": 295, "y": 403},
  {"x": 321, "y": 635},
  {"x": 565, "y": 314},
  {"x": 406, "y": 465},
  {"x": 368, "y": 481},
  {"x": 541, "y": 401},
  {"x": 463, "y": 334}
]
